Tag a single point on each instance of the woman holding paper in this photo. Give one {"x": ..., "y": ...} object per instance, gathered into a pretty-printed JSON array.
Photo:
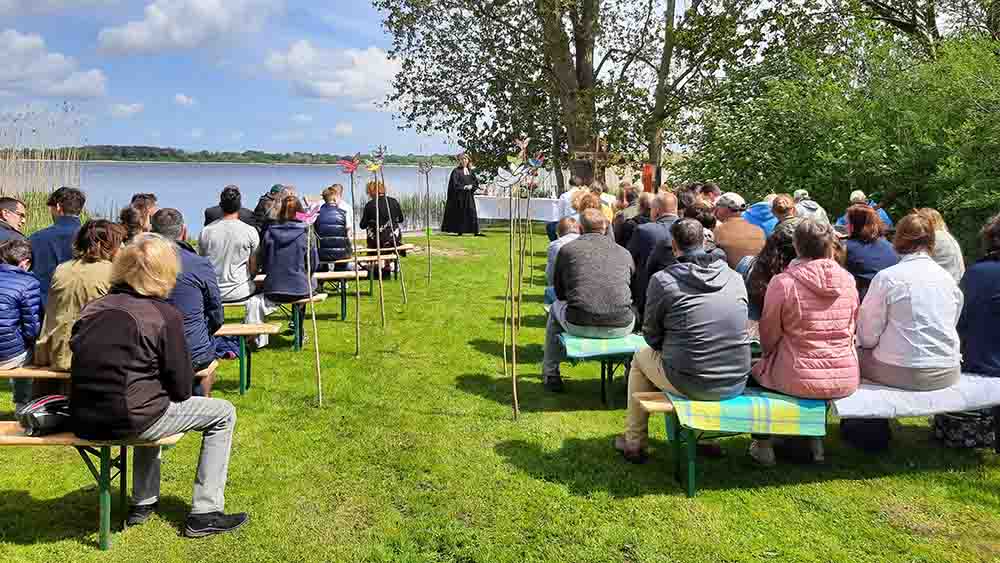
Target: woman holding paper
[{"x": 460, "y": 213}]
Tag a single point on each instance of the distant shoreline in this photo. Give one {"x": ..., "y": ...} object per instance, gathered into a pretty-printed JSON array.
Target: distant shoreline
[{"x": 220, "y": 163}]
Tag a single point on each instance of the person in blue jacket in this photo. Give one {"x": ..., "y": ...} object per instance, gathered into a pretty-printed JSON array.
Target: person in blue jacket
[
  {"x": 858, "y": 196},
  {"x": 19, "y": 313},
  {"x": 196, "y": 296},
  {"x": 53, "y": 245},
  {"x": 333, "y": 229},
  {"x": 977, "y": 325},
  {"x": 760, "y": 214}
]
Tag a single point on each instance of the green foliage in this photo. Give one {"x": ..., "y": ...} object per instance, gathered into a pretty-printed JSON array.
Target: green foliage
[
  {"x": 911, "y": 132},
  {"x": 160, "y": 154}
]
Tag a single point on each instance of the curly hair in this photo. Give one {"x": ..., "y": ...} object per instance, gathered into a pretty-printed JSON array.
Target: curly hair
[
  {"x": 98, "y": 241},
  {"x": 778, "y": 253}
]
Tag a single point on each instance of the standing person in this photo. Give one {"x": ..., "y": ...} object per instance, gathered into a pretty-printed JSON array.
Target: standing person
[
  {"x": 734, "y": 235},
  {"x": 696, "y": 334},
  {"x": 132, "y": 380},
  {"x": 231, "y": 246},
  {"x": 868, "y": 253},
  {"x": 858, "y": 197},
  {"x": 565, "y": 206},
  {"x": 907, "y": 324},
  {"x": 13, "y": 216},
  {"x": 196, "y": 296},
  {"x": 624, "y": 236},
  {"x": 591, "y": 277},
  {"x": 460, "y": 212},
  {"x": 53, "y": 245},
  {"x": 390, "y": 218},
  {"x": 807, "y": 329},
  {"x": 77, "y": 282},
  {"x": 644, "y": 242},
  {"x": 283, "y": 259},
  {"x": 333, "y": 228},
  {"x": 947, "y": 251},
  {"x": 213, "y": 214},
  {"x": 19, "y": 314},
  {"x": 808, "y": 209},
  {"x": 981, "y": 311}
]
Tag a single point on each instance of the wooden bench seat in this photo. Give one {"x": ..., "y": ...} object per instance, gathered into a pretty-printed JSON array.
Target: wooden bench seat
[
  {"x": 401, "y": 248},
  {"x": 340, "y": 276},
  {"x": 35, "y": 373},
  {"x": 11, "y": 434},
  {"x": 386, "y": 257},
  {"x": 242, "y": 332}
]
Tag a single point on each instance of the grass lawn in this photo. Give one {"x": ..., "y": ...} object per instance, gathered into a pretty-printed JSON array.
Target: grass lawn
[{"x": 415, "y": 457}]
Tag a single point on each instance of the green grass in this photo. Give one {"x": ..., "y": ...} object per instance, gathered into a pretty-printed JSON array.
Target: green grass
[{"x": 415, "y": 457}]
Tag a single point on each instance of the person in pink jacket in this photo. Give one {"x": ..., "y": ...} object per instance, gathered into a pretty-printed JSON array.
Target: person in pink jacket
[{"x": 807, "y": 329}]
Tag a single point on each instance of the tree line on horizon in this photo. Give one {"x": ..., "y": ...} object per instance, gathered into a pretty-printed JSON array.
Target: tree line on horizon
[{"x": 129, "y": 153}]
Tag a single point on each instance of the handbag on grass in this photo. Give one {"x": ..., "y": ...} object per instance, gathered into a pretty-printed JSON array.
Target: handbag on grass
[
  {"x": 44, "y": 416},
  {"x": 972, "y": 429}
]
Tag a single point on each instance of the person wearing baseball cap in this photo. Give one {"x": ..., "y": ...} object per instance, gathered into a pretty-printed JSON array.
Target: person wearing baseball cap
[
  {"x": 858, "y": 196},
  {"x": 806, "y": 208},
  {"x": 735, "y": 235}
]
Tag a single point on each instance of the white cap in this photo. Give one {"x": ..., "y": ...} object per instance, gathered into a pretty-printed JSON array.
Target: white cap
[
  {"x": 858, "y": 196},
  {"x": 731, "y": 200}
]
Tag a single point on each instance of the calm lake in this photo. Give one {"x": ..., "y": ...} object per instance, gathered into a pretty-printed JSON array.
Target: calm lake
[{"x": 192, "y": 188}]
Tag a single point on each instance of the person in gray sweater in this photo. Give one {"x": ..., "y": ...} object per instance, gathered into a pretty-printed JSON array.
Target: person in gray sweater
[
  {"x": 591, "y": 277},
  {"x": 696, "y": 329}
]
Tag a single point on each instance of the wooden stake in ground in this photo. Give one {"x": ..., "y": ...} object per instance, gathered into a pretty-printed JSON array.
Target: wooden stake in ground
[
  {"x": 374, "y": 167},
  {"x": 513, "y": 301},
  {"x": 351, "y": 166},
  {"x": 312, "y": 308},
  {"x": 425, "y": 169}
]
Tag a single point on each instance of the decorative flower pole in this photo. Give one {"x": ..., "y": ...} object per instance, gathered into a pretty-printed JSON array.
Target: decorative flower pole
[
  {"x": 425, "y": 168},
  {"x": 349, "y": 167},
  {"x": 309, "y": 217}
]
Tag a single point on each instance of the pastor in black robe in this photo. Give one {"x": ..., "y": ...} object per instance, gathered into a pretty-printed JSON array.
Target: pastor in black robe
[{"x": 460, "y": 212}]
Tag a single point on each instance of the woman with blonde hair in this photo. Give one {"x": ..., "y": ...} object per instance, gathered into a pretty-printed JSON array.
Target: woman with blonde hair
[
  {"x": 132, "y": 380},
  {"x": 947, "y": 251},
  {"x": 460, "y": 214}
]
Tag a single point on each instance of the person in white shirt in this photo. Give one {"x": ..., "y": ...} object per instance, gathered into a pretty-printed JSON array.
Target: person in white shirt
[
  {"x": 907, "y": 326},
  {"x": 568, "y": 231}
]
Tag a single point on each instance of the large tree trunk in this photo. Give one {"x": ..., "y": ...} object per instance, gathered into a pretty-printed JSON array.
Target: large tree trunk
[
  {"x": 654, "y": 123},
  {"x": 557, "y": 146}
]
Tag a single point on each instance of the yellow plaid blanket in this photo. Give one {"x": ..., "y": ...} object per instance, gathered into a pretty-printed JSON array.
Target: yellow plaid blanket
[{"x": 755, "y": 412}]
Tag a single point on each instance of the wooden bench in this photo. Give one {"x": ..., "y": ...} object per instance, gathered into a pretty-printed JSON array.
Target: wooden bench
[
  {"x": 11, "y": 434},
  {"x": 242, "y": 332},
  {"x": 296, "y": 313},
  {"x": 340, "y": 279},
  {"x": 29, "y": 372},
  {"x": 387, "y": 249},
  {"x": 612, "y": 353}
]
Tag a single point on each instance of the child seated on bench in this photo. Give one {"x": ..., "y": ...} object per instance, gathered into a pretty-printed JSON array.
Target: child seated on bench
[
  {"x": 132, "y": 381},
  {"x": 20, "y": 301}
]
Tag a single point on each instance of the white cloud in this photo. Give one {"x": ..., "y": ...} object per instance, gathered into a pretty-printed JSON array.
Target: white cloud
[
  {"x": 30, "y": 68},
  {"x": 21, "y": 7},
  {"x": 186, "y": 101},
  {"x": 187, "y": 24},
  {"x": 362, "y": 77},
  {"x": 343, "y": 129},
  {"x": 124, "y": 111},
  {"x": 302, "y": 118},
  {"x": 197, "y": 133}
]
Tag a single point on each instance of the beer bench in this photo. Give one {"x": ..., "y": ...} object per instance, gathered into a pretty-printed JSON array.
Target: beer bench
[
  {"x": 242, "y": 332},
  {"x": 612, "y": 353},
  {"x": 11, "y": 434}
]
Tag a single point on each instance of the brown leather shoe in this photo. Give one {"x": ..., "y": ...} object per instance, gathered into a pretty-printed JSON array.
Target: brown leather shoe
[{"x": 632, "y": 452}]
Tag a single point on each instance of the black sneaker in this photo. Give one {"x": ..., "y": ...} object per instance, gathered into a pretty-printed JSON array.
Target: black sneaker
[
  {"x": 554, "y": 384},
  {"x": 203, "y": 525},
  {"x": 140, "y": 514}
]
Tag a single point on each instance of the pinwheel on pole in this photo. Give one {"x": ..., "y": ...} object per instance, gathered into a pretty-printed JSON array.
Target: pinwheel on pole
[
  {"x": 309, "y": 217},
  {"x": 350, "y": 167},
  {"x": 425, "y": 168}
]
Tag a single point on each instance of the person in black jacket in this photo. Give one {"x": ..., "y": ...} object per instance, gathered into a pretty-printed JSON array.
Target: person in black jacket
[
  {"x": 263, "y": 214},
  {"x": 196, "y": 296},
  {"x": 20, "y": 311},
  {"x": 333, "y": 228},
  {"x": 213, "y": 214},
  {"x": 460, "y": 212},
  {"x": 132, "y": 380}
]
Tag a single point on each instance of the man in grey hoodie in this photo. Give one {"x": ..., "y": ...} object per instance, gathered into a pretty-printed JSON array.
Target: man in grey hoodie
[
  {"x": 806, "y": 208},
  {"x": 696, "y": 328}
]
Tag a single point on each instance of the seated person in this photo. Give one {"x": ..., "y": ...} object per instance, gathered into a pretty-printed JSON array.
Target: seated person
[
  {"x": 132, "y": 220},
  {"x": 735, "y": 235},
  {"x": 947, "y": 251},
  {"x": 784, "y": 210},
  {"x": 858, "y": 197},
  {"x": 663, "y": 254},
  {"x": 196, "y": 296},
  {"x": 568, "y": 230},
  {"x": 627, "y": 208},
  {"x": 231, "y": 246},
  {"x": 76, "y": 283},
  {"x": 132, "y": 381},
  {"x": 20, "y": 309},
  {"x": 644, "y": 242},
  {"x": 868, "y": 252},
  {"x": 807, "y": 329},
  {"x": 387, "y": 233},
  {"x": 283, "y": 259},
  {"x": 777, "y": 254},
  {"x": 907, "y": 323},
  {"x": 981, "y": 312},
  {"x": 761, "y": 215},
  {"x": 213, "y": 214},
  {"x": 696, "y": 329},
  {"x": 624, "y": 235},
  {"x": 53, "y": 245},
  {"x": 591, "y": 277},
  {"x": 333, "y": 229}
]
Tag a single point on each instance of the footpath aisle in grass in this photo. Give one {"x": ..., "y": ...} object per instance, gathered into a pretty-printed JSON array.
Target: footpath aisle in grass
[{"x": 415, "y": 458}]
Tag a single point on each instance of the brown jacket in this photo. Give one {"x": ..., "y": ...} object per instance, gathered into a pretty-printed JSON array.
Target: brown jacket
[
  {"x": 739, "y": 239},
  {"x": 130, "y": 361},
  {"x": 74, "y": 284}
]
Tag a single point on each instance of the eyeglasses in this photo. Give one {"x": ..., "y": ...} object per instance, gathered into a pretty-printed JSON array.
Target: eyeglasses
[{"x": 21, "y": 214}]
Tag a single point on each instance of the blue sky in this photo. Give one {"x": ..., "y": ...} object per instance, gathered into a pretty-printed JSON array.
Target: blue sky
[{"x": 274, "y": 75}]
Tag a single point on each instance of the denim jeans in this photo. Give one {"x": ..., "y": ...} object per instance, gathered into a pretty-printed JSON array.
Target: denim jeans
[{"x": 21, "y": 387}]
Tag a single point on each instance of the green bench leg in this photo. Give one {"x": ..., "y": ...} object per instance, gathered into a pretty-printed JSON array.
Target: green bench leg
[
  {"x": 249, "y": 367},
  {"x": 343, "y": 300},
  {"x": 104, "y": 490},
  {"x": 243, "y": 365},
  {"x": 684, "y": 443},
  {"x": 604, "y": 391},
  {"x": 297, "y": 320},
  {"x": 123, "y": 483},
  {"x": 692, "y": 461}
]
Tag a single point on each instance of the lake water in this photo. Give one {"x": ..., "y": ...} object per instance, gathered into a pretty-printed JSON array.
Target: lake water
[{"x": 192, "y": 188}]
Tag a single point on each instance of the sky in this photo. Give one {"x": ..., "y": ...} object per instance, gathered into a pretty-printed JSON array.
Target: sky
[{"x": 272, "y": 75}]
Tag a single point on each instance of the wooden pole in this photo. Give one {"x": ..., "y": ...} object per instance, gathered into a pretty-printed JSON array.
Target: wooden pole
[
  {"x": 427, "y": 178},
  {"x": 357, "y": 275},
  {"x": 513, "y": 322},
  {"x": 312, "y": 307},
  {"x": 378, "y": 252},
  {"x": 392, "y": 227}
]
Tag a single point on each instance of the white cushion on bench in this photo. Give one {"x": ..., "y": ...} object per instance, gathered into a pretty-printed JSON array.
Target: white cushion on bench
[{"x": 876, "y": 401}]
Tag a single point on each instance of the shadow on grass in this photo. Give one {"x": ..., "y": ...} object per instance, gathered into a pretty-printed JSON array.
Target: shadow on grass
[
  {"x": 26, "y": 520},
  {"x": 530, "y": 321},
  {"x": 526, "y": 354},
  {"x": 579, "y": 394},
  {"x": 528, "y": 297},
  {"x": 588, "y": 466}
]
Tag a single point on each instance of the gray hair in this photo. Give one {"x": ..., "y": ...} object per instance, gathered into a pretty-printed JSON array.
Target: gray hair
[
  {"x": 169, "y": 223},
  {"x": 688, "y": 234}
]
